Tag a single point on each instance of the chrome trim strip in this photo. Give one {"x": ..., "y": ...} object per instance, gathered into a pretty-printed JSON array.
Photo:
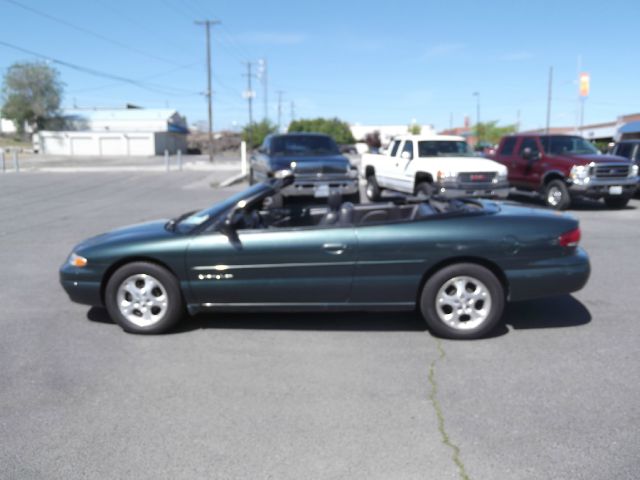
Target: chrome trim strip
[
  {"x": 309, "y": 304},
  {"x": 219, "y": 268}
]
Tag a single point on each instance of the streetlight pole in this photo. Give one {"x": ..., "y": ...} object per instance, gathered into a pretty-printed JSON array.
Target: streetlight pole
[{"x": 477, "y": 95}]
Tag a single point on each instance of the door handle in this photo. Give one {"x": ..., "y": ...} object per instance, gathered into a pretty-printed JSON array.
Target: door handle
[{"x": 334, "y": 248}]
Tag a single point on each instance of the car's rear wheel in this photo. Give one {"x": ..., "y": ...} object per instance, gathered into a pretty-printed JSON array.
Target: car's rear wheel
[
  {"x": 373, "y": 190},
  {"x": 556, "y": 195},
  {"x": 616, "y": 202},
  {"x": 462, "y": 301},
  {"x": 143, "y": 297}
]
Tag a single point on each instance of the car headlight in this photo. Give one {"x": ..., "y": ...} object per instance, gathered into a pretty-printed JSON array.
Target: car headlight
[
  {"x": 443, "y": 176},
  {"x": 76, "y": 260},
  {"x": 579, "y": 173},
  {"x": 633, "y": 172},
  {"x": 501, "y": 176}
]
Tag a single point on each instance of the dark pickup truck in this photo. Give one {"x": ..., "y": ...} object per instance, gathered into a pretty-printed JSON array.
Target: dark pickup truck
[
  {"x": 562, "y": 167},
  {"x": 314, "y": 159}
]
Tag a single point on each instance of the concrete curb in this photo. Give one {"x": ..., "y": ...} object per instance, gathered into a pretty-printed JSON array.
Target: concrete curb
[{"x": 232, "y": 180}]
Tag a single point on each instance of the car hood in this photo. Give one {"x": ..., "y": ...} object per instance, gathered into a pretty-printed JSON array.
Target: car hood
[
  {"x": 586, "y": 159},
  {"x": 466, "y": 164},
  {"x": 312, "y": 164},
  {"x": 142, "y": 232}
]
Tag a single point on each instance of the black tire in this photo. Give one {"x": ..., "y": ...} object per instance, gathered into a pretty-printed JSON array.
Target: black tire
[
  {"x": 556, "y": 195},
  {"x": 616, "y": 202},
  {"x": 167, "y": 288},
  {"x": 424, "y": 189},
  {"x": 353, "y": 198},
  {"x": 373, "y": 190},
  {"x": 252, "y": 179},
  {"x": 435, "y": 313}
]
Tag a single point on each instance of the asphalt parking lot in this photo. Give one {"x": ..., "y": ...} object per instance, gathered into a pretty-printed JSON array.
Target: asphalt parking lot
[{"x": 553, "y": 394}]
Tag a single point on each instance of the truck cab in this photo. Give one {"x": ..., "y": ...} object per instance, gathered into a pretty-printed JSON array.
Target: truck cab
[{"x": 563, "y": 167}]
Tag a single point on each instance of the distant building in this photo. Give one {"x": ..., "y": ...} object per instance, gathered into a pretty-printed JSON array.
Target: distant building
[
  {"x": 623, "y": 127},
  {"x": 117, "y": 132},
  {"x": 387, "y": 132},
  {"x": 7, "y": 126}
]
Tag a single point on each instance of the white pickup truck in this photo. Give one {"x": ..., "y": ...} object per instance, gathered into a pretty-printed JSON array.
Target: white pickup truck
[{"x": 433, "y": 165}]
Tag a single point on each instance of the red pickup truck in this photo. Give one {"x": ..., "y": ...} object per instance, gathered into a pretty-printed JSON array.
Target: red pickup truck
[{"x": 562, "y": 167}]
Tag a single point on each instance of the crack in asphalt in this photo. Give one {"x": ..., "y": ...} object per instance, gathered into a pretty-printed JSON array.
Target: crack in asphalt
[{"x": 433, "y": 396}]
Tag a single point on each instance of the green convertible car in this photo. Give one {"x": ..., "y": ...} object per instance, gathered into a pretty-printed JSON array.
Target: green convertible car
[{"x": 455, "y": 261}]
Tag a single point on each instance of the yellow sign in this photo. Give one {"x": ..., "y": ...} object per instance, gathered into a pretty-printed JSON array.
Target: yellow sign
[{"x": 584, "y": 84}]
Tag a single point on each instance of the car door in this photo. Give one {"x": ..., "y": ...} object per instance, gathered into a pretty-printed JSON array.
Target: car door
[
  {"x": 524, "y": 172},
  {"x": 386, "y": 166},
  {"x": 404, "y": 175},
  {"x": 271, "y": 267}
]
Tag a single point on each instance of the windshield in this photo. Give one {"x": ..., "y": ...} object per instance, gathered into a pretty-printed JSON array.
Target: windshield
[
  {"x": 443, "y": 148},
  {"x": 196, "y": 219},
  {"x": 563, "y": 145},
  {"x": 302, "y": 145}
]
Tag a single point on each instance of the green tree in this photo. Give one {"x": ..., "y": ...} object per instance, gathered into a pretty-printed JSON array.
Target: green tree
[
  {"x": 254, "y": 134},
  {"x": 31, "y": 93},
  {"x": 333, "y": 127},
  {"x": 490, "y": 131},
  {"x": 415, "y": 129}
]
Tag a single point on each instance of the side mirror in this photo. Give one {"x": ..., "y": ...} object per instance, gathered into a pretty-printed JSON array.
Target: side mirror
[
  {"x": 530, "y": 155},
  {"x": 406, "y": 156}
]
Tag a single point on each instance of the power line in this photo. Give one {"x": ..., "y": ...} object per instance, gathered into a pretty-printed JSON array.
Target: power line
[
  {"x": 89, "y": 32},
  {"x": 97, "y": 73}
]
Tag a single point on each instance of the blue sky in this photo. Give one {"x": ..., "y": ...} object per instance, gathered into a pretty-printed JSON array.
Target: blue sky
[{"x": 368, "y": 62}]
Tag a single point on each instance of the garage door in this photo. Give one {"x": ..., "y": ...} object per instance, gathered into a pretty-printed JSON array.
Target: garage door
[
  {"x": 113, "y": 146},
  {"x": 83, "y": 146}
]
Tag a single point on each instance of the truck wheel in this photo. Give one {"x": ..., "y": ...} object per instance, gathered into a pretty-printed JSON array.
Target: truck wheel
[
  {"x": 424, "y": 189},
  {"x": 143, "y": 297},
  {"x": 252, "y": 179},
  {"x": 616, "y": 202},
  {"x": 372, "y": 189},
  {"x": 462, "y": 301},
  {"x": 556, "y": 195}
]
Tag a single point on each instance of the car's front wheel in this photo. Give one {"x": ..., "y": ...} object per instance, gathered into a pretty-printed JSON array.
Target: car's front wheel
[
  {"x": 143, "y": 297},
  {"x": 462, "y": 301},
  {"x": 556, "y": 195},
  {"x": 372, "y": 189}
]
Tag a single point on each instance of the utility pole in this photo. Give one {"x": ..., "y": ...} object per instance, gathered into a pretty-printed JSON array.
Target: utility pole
[
  {"x": 263, "y": 76},
  {"x": 280, "y": 92},
  {"x": 207, "y": 24},
  {"x": 249, "y": 94},
  {"x": 549, "y": 99},
  {"x": 477, "y": 95}
]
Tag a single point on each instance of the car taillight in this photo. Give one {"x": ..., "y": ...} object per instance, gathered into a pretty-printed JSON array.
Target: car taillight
[{"x": 570, "y": 239}]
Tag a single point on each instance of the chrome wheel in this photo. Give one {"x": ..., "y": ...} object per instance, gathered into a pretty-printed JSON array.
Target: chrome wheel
[
  {"x": 142, "y": 300},
  {"x": 554, "y": 196},
  {"x": 463, "y": 303}
]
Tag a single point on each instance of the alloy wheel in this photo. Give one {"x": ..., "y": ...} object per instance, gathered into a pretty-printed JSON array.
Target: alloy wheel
[
  {"x": 463, "y": 302},
  {"x": 142, "y": 300}
]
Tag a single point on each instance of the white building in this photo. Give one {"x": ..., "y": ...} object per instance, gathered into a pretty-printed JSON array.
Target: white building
[
  {"x": 130, "y": 132},
  {"x": 7, "y": 126},
  {"x": 387, "y": 132}
]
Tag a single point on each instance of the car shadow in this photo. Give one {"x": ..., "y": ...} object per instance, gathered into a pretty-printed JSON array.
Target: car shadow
[
  {"x": 578, "y": 204},
  {"x": 554, "y": 312}
]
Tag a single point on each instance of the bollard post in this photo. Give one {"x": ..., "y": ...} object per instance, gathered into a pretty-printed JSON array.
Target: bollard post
[
  {"x": 16, "y": 162},
  {"x": 166, "y": 160},
  {"x": 4, "y": 167},
  {"x": 179, "y": 160},
  {"x": 243, "y": 157}
]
